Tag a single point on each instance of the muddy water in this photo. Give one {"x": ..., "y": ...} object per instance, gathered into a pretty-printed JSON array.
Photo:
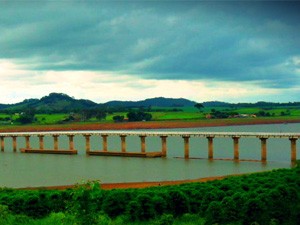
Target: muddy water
[{"x": 33, "y": 170}]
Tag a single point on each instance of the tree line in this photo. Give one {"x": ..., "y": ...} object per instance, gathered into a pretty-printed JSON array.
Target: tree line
[{"x": 29, "y": 116}]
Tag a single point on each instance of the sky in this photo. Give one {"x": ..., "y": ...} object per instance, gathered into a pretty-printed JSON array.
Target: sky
[{"x": 233, "y": 51}]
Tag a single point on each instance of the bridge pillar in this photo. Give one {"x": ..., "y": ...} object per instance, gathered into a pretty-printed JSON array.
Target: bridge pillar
[
  {"x": 143, "y": 143},
  {"x": 123, "y": 143},
  {"x": 210, "y": 147},
  {"x": 236, "y": 147},
  {"x": 263, "y": 148},
  {"x": 71, "y": 141},
  {"x": 55, "y": 140},
  {"x": 164, "y": 145},
  {"x": 14, "y": 138},
  {"x": 27, "y": 140},
  {"x": 104, "y": 142},
  {"x": 41, "y": 141},
  {"x": 293, "y": 149},
  {"x": 186, "y": 146},
  {"x": 87, "y": 143},
  {"x": 2, "y": 143}
]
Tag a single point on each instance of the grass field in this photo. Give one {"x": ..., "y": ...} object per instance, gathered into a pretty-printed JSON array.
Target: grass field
[
  {"x": 166, "y": 114},
  {"x": 50, "y": 118}
]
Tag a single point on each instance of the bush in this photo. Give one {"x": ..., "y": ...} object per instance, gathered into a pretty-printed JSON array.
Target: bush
[
  {"x": 264, "y": 198},
  {"x": 139, "y": 116},
  {"x": 84, "y": 204},
  {"x": 165, "y": 219},
  {"x": 115, "y": 203},
  {"x": 256, "y": 211},
  {"x": 178, "y": 203},
  {"x": 118, "y": 118}
]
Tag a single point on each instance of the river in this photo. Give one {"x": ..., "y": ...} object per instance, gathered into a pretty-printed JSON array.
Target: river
[{"x": 36, "y": 170}]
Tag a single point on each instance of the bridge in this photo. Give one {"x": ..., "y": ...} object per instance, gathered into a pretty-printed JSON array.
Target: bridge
[{"x": 163, "y": 135}]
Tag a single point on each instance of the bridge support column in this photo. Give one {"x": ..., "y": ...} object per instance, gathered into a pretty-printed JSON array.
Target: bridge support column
[
  {"x": 263, "y": 148},
  {"x": 41, "y": 141},
  {"x": 293, "y": 149},
  {"x": 87, "y": 143},
  {"x": 164, "y": 145},
  {"x": 71, "y": 142},
  {"x": 143, "y": 143},
  {"x": 210, "y": 147},
  {"x": 123, "y": 143},
  {"x": 186, "y": 146},
  {"x": 104, "y": 142},
  {"x": 2, "y": 143},
  {"x": 14, "y": 138},
  {"x": 55, "y": 139},
  {"x": 236, "y": 147},
  {"x": 27, "y": 140}
]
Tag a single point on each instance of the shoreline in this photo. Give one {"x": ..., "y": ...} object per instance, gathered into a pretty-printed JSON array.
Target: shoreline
[
  {"x": 146, "y": 184},
  {"x": 147, "y": 125}
]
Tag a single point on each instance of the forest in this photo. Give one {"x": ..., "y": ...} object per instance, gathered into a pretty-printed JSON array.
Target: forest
[{"x": 266, "y": 198}]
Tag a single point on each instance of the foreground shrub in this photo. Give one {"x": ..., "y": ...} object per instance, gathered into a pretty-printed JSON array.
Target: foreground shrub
[
  {"x": 84, "y": 203},
  {"x": 178, "y": 203},
  {"x": 264, "y": 198},
  {"x": 115, "y": 202}
]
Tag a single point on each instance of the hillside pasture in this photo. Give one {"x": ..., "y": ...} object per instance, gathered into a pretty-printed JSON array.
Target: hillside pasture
[
  {"x": 177, "y": 115},
  {"x": 272, "y": 111},
  {"x": 50, "y": 118}
]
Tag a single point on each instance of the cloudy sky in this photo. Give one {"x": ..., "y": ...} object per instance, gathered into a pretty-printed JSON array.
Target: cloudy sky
[{"x": 234, "y": 51}]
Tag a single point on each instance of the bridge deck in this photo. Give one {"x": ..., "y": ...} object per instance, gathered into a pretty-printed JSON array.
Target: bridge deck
[{"x": 156, "y": 133}]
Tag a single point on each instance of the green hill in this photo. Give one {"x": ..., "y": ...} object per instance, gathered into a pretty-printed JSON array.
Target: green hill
[
  {"x": 158, "y": 102},
  {"x": 62, "y": 103},
  {"x": 54, "y": 102}
]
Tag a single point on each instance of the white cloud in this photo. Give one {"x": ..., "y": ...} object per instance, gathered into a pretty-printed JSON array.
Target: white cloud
[
  {"x": 296, "y": 61},
  {"x": 143, "y": 45},
  {"x": 18, "y": 84}
]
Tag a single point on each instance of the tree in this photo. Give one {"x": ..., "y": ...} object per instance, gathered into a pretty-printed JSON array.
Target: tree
[
  {"x": 118, "y": 118},
  {"x": 199, "y": 106},
  {"x": 27, "y": 116},
  {"x": 139, "y": 116},
  {"x": 100, "y": 115}
]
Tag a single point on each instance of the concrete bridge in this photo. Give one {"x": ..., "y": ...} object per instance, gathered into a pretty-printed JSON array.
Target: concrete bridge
[{"x": 163, "y": 135}]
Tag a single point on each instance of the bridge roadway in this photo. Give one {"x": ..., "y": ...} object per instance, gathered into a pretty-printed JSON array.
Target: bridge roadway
[
  {"x": 157, "y": 133},
  {"x": 186, "y": 135}
]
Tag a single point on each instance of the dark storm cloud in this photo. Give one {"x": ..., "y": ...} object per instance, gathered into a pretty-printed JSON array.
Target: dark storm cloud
[{"x": 223, "y": 41}]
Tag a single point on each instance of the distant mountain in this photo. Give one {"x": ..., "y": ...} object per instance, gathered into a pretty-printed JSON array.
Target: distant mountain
[
  {"x": 54, "y": 102},
  {"x": 216, "y": 104},
  {"x": 158, "y": 102},
  {"x": 260, "y": 104},
  {"x": 3, "y": 106},
  {"x": 59, "y": 102}
]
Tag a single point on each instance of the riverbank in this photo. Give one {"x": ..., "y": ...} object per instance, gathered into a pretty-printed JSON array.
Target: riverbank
[
  {"x": 109, "y": 186},
  {"x": 148, "y": 124}
]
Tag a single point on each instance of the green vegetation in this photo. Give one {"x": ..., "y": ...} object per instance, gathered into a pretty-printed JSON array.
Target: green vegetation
[
  {"x": 50, "y": 118},
  {"x": 265, "y": 198},
  {"x": 139, "y": 116},
  {"x": 60, "y": 109},
  {"x": 157, "y": 114}
]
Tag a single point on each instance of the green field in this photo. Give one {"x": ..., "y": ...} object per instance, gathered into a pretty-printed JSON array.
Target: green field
[
  {"x": 159, "y": 114},
  {"x": 177, "y": 115},
  {"x": 50, "y": 118}
]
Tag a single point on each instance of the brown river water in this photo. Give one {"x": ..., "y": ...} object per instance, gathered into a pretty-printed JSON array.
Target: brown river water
[{"x": 20, "y": 170}]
